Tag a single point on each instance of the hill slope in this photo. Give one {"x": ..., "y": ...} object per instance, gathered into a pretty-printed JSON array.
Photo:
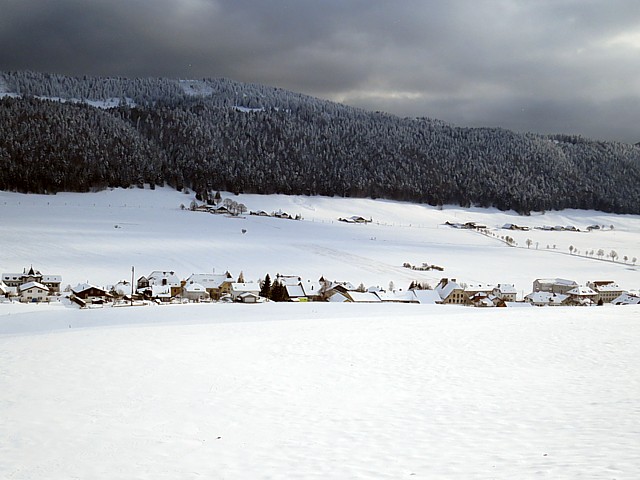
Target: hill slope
[
  {"x": 97, "y": 237},
  {"x": 221, "y": 135}
]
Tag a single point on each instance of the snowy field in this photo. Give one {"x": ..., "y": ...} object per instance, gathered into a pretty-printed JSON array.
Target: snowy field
[
  {"x": 313, "y": 391},
  {"x": 98, "y": 237}
]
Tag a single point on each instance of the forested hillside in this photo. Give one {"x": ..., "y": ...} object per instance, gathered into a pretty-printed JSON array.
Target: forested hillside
[{"x": 222, "y": 135}]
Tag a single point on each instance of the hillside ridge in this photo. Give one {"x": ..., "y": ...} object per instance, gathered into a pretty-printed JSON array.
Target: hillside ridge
[{"x": 217, "y": 134}]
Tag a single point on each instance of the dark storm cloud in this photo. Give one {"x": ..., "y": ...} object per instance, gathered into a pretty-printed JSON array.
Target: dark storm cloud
[{"x": 545, "y": 65}]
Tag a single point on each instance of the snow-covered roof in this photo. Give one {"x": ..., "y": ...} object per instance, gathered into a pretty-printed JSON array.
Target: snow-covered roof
[
  {"x": 312, "y": 289},
  {"x": 288, "y": 279},
  {"x": 295, "y": 291},
  {"x": 30, "y": 285},
  {"x": 194, "y": 288},
  {"x": 338, "y": 297},
  {"x": 427, "y": 297},
  {"x": 11, "y": 276},
  {"x": 609, "y": 287},
  {"x": 546, "y": 298},
  {"x": 248, "y": 294},
  {"x": 81, "y": 287},
  {"x": 245, "y": 287},
  {"x": 479, "y": 287},
  {"x": 582, "y": 291},
  {"x": 364, "y": 297},
  {"x": 627, "y": 299},
  {"x": 406, "y": 296},
  {"x": 556, "y": 281},
  {"x": 485, "y": 302},
  {"x": 445, "y": 291},
  {"x": 156, "y": 277},
  {"x": 52, "y": 278},
  {"x": 506, "y": 288},
  {"x": 209, "y": 280}
]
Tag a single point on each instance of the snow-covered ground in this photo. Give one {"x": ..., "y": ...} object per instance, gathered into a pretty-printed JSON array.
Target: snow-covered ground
[
  {"x": 98, "y": 237},
  {"x": 320, "y": 391},
  {"x": 313, "y": 390}
]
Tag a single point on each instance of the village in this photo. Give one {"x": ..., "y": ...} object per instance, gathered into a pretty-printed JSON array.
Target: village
[{"x": 163, "y": 287}]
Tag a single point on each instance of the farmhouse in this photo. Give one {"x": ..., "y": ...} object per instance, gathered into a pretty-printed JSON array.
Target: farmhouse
[
  {"x": 216, "y": 284},
  {"x": 86, "y": 291},
  {"x": 581, "y": 295},
  {"x": 607, "y": 290},
  {"x": 451, "y": 292}
]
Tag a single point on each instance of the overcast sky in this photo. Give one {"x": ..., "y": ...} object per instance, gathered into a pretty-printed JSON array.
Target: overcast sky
[{"x": 548, "y": 66}]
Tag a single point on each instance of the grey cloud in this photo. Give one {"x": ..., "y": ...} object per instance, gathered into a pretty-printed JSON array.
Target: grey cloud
[{"x": 535, "y": 66}]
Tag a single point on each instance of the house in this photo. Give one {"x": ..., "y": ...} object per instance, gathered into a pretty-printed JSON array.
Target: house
[
  {"x": 505, "y": 292},
  {"x": 543, "y": 299},
  {"x": 248, "y": 297},
  {"x": 52, "y": 282},
  {"x": 553, "y": 285},
  {"x": 33, "y": 292},
  {"x": 216, "y": 284},
  {"x": 607, "y": 290},
  {"x": 451, "y": 292},
  {"x": 195, "y": 292},
  {"x": 581, "y": 295},
  {"x": 166, "y": 278},
  {"x": 238, "y": 289},
  {"x": 627, "y": 299},
  {"x": 259, "y": 213},
  {"x": 88, "y": 292},
  {"x": 355, "y": 219},
  {"x": 281, "y": 214},
  {"x": 220, "y": 210},
  {"x": 513, "y": 226}
]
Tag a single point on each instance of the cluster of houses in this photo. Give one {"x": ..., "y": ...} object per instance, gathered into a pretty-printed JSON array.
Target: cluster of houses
[
  {"x": 233, "y": 209},
  {"x": 167, "y": 287}
]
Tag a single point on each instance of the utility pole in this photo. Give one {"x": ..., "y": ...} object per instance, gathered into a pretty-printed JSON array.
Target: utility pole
[{"x": 132, "y": 274}]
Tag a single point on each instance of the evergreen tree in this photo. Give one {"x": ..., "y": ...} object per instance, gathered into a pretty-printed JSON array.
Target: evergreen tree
[
  {"x": 278, "y": 292},
  {"x": 265, "y": 290}
]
